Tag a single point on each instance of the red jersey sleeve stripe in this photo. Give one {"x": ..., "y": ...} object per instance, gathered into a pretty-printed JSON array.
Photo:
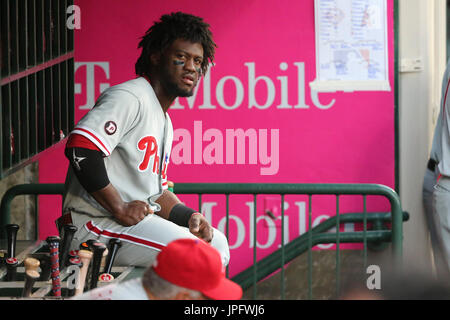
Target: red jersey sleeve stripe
[
  {"x": 102, "y": 145},
  {"x": 79, "y": 141}
]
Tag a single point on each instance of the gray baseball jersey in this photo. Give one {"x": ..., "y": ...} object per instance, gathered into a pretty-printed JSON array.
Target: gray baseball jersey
[
  {"x": 441, "y": 194},
  {"x": 442, "y": 134},
  {"x": 429, "y": 181},
  {"x": 129, "y": 126}
]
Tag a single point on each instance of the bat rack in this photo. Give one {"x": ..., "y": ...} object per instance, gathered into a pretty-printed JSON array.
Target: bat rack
[{"x": 42, "y": 289}]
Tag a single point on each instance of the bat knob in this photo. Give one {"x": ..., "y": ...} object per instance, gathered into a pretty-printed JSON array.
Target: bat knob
[
  {"x": 31, "y": 264},
  {"x": 12, "y": 227},
  {"x": 89, "y": 243},
  {"x": 73, "y": 254},
  {"x": 76, "y": 262},
  {"x": 84, "y": 254},
  {"x": 98, "y": 248},
  {"x": 106, "y": 277},
  {"x": 53, "y": 239},
  {"x": 84, "y": 246},
  {"x": 115, "y": 242},
  {"x": 70, "y": 228}
]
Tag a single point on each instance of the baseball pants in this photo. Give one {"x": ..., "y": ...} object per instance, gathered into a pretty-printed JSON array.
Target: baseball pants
[
  {"x": 429, "y": 182},
  {"x": 441, "y": 208},
  {"x": 141, "y": 242}
]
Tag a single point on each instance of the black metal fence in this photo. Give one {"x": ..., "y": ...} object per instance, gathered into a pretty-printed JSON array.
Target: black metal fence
[{"x": 37, "y": 79}]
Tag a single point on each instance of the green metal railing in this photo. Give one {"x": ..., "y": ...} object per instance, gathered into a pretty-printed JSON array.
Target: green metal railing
[
  {"x": 25, "y": 189},
  {"x": 277, "y": 260},
  {"x": 288, "y": 251}
]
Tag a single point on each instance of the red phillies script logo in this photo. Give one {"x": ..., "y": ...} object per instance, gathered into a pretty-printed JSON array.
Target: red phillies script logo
[
  {"x": 110, "y": 127},
  {"x": 150, "y": 146}
]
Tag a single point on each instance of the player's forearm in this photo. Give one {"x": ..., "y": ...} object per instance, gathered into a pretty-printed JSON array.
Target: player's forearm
[
  {"x": 125, "y": 213},
  {"x": 110, "y": 199},
  {"x": 167, "y": 201}
]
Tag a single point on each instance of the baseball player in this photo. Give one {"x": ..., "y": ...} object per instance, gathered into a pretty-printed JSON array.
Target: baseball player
[
  {"x": 429, "y": 181},
  {"x": 199, "y": 277},
  {"x": 441, "y": 193},
  {"x": 116, "y": 184}
]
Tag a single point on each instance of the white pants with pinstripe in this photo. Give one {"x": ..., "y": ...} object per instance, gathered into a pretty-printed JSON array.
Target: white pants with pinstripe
[{"x": 141, "y": 242}]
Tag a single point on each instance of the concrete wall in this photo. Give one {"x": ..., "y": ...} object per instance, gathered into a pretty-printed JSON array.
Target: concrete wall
[
  {"x": 421, "y": 35},
  {"x": 23, "y": 208}
]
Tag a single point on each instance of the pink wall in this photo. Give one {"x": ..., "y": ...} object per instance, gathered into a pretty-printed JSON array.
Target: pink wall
[{"x": 261, "y": 44}]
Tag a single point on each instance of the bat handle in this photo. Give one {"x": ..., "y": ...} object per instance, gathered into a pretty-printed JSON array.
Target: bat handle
[
  {"x": 98, "y": 248},
  {"x": 53, "y": 242},
  {"x": 11, "y": 233},
  {"x": 68, "y": 234},
  {"x": 45, "y": 264},
  {"x": 74, "y": 262},
  {"x": 114, "y": 245},
  {"x": 85, "y": 257},
  {"x": 11, "y": 267},
  {"x": 30, "y": 278}
]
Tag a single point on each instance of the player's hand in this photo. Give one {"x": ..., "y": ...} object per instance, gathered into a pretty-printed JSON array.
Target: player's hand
[
  {"x": 132, "y": 212},
  {"x": 200, "y": 227}
]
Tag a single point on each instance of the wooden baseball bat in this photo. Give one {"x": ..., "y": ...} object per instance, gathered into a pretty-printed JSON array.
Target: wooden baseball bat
[
  {"x": 11, "y": 234},
  {"x": 68, "y": 233},
  {"x": 87, "y": 245},
  {"x": 74, "y": 262},
  {"x": 85, "y": 257},
  {"x": 11, "y": 267},
  {"x": 53, "y": 242},
  {"x": 3, "y": 256},
  {"x": 104, "y": 256},
  {"x": 31, "y": 275},
  {"x": 30, "y": 278},
  {"x": 98, "y": 249},
  {"x": 44, "y": 264},
  {"x": 113, "y": 245},
  {"x": 45, "y": 267}
]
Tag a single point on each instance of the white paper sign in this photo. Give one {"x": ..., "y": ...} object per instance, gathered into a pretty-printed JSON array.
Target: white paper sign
[{"x": 351, "y": 45}]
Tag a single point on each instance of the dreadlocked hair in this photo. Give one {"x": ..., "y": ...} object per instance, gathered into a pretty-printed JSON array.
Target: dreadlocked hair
[{"x": 171, "y": 27}]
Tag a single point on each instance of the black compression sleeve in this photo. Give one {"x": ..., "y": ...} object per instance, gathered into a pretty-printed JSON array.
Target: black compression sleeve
[
  {"x": 180, "y": 215},
  {"x": 89, "y": 168}
]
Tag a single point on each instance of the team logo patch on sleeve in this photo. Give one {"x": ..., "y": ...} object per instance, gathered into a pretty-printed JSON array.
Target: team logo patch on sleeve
[{"x": 110, "y": 127}]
